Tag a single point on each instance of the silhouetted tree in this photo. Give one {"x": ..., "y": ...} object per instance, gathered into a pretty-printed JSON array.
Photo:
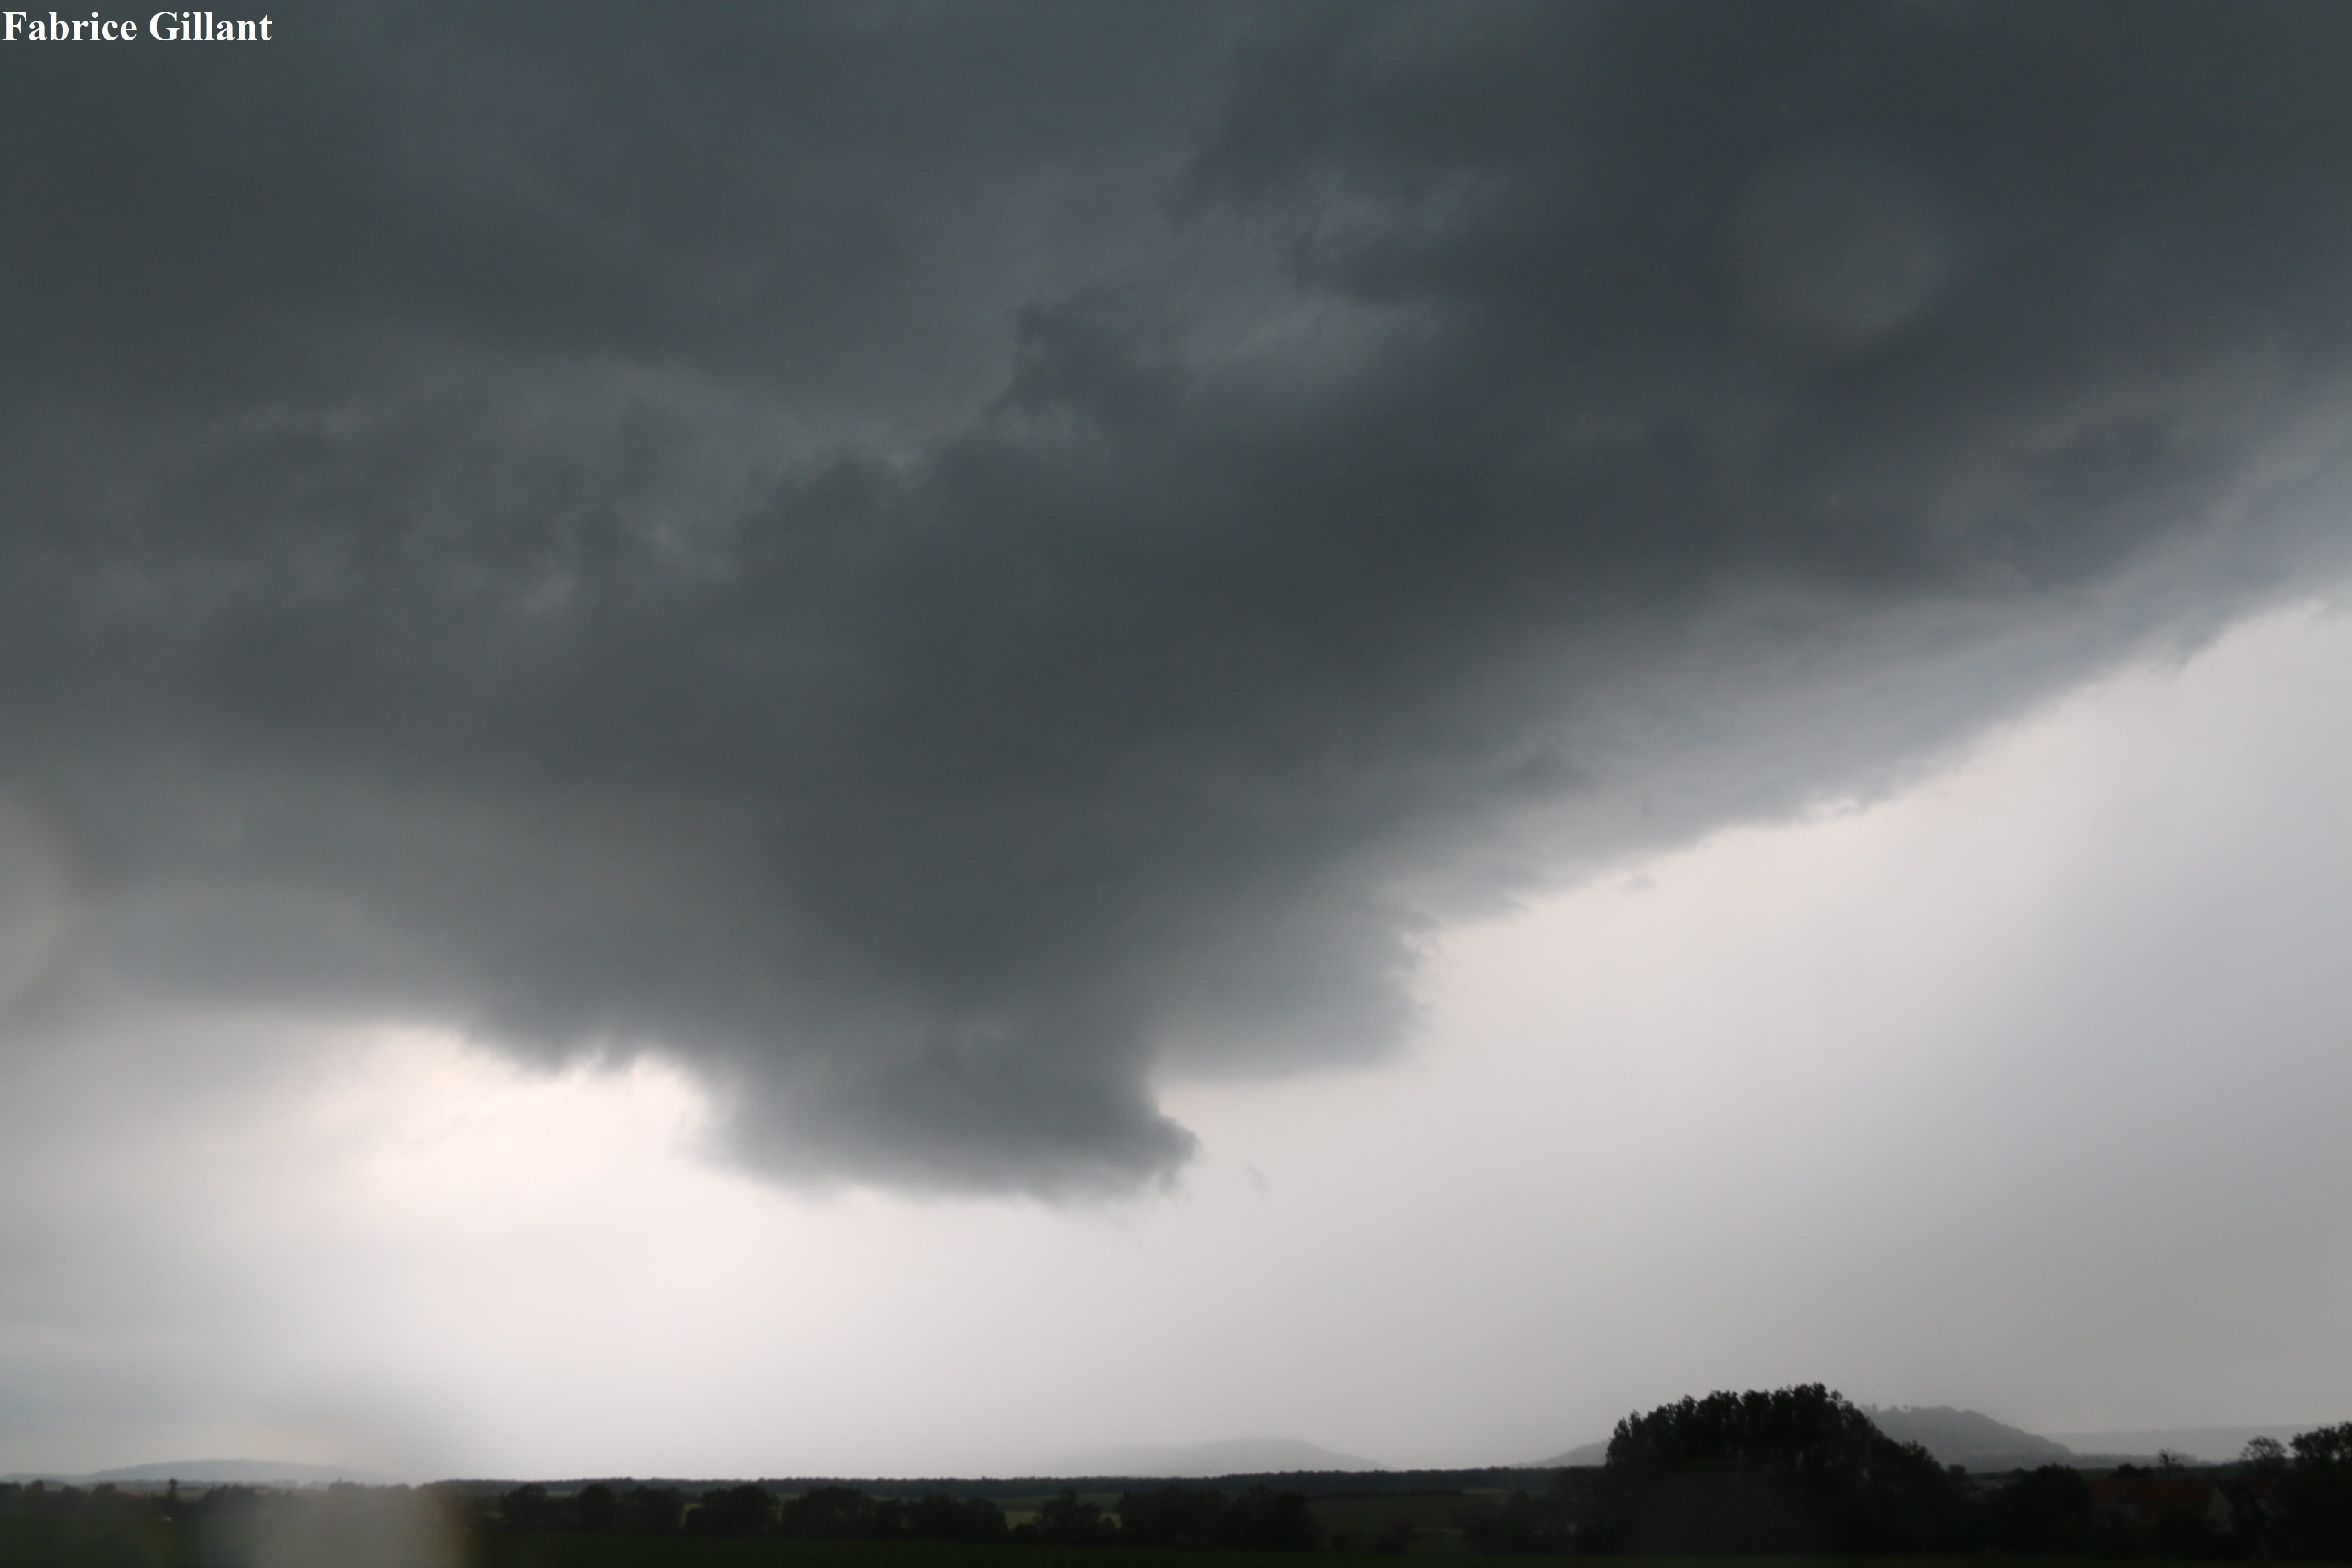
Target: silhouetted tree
[
  {"x": 2185, "y": 1532},
  {"x": 652, "y": 1510},
  {"x": 1170, "y": 1516},
  {"x": 1263, "y": 1519},
  {"x": 1795, "y": 1471},
  {"x": 830, "y": 1513},
  {"x": 38, "y": 1500},
  {"x": 597, "y": 1507},
  {"x": 945, "y": 1519},
  {"x": 527, "y": 1507},
  {"x": 2254, "y": 1528},
  {"x": 225, "y": 1502},
  {"x": 746, "y": 1509},
  {"x": 1070, "y": 1520},
  {"x": 2045, "y": 1512},
  {"x": 2315, "y": 1492}
]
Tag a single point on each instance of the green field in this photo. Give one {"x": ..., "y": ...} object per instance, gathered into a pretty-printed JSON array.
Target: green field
[
  {"x": 77, "y": 1543},
  {"x": 554, "y": 1551}
]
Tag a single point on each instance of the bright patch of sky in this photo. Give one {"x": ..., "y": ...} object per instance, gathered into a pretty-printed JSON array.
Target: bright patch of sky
[{"x": 2022, "y": 1091}]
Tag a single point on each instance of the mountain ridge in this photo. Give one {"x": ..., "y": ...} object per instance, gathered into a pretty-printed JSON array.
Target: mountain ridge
[
  {"x": 216, "y": 1472},
  {"x": 1194, "y": 1461}
]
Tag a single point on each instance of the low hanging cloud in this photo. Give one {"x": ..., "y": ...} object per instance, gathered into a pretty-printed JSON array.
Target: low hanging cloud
[{"x": 933, "y": 565}]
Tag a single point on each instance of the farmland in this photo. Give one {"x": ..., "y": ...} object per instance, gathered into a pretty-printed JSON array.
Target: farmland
[{"x": 109, "y": 1544}]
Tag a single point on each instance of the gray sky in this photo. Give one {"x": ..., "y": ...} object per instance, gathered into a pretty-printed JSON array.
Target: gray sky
[{"x": 1392, "y": 724}]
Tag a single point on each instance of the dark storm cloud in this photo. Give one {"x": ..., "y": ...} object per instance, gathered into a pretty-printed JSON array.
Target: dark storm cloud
[{"x": 929, "y": 561}]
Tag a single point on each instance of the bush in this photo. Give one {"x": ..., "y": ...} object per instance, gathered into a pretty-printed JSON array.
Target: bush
[
  {"x": 1262, "y": 1519},
  {"x": 2046, "y": 1512},
  {"x": 1069, "y": 1520},
  {"x": 734, "y": 1510},
  {"x": 1172, "y": 1516}
]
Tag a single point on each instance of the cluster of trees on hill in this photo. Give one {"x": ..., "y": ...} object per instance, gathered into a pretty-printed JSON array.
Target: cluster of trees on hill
[
  {"x": 1259, "y": 1520},
  {"x": 1798, "y": 1472},
  {"x": 1801, "y": 1472}
]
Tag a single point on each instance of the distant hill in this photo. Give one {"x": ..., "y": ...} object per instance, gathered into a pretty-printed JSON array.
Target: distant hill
[
  {"x": 219, "y": 1472},
  {"x": 1587, "y": 1454},
  {"x": 1241, "y": 1456},
  {"x": 1968, "y": 1437},
  {"x": 2210, "y": 1445}
]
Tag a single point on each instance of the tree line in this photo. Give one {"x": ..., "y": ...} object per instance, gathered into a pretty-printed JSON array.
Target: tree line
[
  {"x": 1791, "y": 1472},
  {"x": 1258, "y": 1520}
]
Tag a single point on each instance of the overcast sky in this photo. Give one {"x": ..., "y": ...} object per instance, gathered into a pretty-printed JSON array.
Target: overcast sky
[{"x": 739, "y": 739}]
